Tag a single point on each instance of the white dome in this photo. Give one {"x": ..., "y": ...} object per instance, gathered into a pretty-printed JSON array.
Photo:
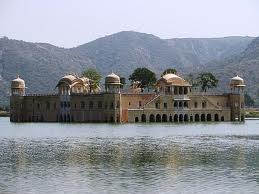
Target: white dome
[
  {"x": 173, "y": 80},
  {"x": 112, "y": 79},
  {"x": 237, "y": 78},
  {"x": 18, "y": 83},
  {"x": 171, "y": 76},
  {"x": 237, "y": 81}
]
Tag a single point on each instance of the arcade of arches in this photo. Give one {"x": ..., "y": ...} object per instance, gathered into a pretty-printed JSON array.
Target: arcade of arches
[{"x": 179, "y": 117}]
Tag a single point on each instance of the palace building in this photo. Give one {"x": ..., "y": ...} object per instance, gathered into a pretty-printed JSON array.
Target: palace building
[{"x": 173, "y": 101}]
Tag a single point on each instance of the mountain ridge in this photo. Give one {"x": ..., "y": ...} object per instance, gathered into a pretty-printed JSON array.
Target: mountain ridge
[{"x": 43, "y": 64}]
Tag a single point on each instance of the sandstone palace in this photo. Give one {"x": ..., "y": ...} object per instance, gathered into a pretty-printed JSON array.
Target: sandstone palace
[{"x": 172, "y": 101}]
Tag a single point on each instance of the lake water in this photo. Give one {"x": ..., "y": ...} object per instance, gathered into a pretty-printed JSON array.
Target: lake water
[{"x": 129, "y": 158}]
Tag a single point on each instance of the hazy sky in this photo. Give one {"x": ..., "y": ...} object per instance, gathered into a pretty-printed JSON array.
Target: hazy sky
[{"x": 69, "y": 23}]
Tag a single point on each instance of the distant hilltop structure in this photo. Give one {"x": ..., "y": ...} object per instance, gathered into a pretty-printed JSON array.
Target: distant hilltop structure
[{"x": 173, "y": 101}]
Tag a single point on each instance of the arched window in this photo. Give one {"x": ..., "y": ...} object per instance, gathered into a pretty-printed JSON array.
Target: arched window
[
  {"x": 175, "y": 118},
  {"x": 112, "y": 105},
  {"x": 100, "y": 104},
  {"x": 157, "y": 105},
  {"x": 196, "y": 104},
  {"x": 208, "y": 117},
  {"x": 111, "y": 119},
  {"x": 38, "y": 105},
  {"x": 47, "y": 105},
  {"x": 164, "y": 118},
  {"x": 181, "y": 118},
  {"x": 82, "y": 104},
  {"x": 91, "y": 105},
  {"x": 143, "y": 118},
  {"x": 60, "y": 118},
  {"x": 175, "y": 90},
  {"x": 186, "y": 118},
  {"x": 151, "y": 118},
  {"x": 203, "y": 117},
  {"x": 158, "y": 118},
  {"x": 216, "y": 117},
  {"x": 204, "y": 104},
  {"x": 197, "y": 118},
  {"x": 185, "y": 90}
]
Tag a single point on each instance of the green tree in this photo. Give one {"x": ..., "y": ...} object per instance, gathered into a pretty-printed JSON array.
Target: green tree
[
  {"x": 146, "y": 77},
  {"x": 94, "y": 77},
  {"x": 248, "y": 100},
  {"x": 169, "y": 70},
  {"x": 207, "y": 80},
  {"x": 192, "y": 80}
]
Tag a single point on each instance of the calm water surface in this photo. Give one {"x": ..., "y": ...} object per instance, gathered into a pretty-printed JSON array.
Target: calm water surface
[{"x": 131, "y": 158}]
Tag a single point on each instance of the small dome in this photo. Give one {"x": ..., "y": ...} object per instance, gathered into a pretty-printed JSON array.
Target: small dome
[
  {"x": 18, "y": 83},
  {"x": 237, "y": 81},
  {"x": 67, "y": 79},
  {"x": 169, "y": 76},
  {"x": 173, "y": 79},
  {"x": 70, "y": 78},
  {"x": 112, "y": 79}
]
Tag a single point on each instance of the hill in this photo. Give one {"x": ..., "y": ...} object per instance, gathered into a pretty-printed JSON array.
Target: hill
[
  {"x": 42, "y": 65},
  {"x": 245, "y": 64},
  {"x": 124, "y": 51}
]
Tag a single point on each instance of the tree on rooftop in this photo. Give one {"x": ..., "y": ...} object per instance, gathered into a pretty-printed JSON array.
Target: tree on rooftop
[
  {"x": 207, "y": 80},
  {"x": 192, "y": 79},
  {"x": 94, "y": 76},
  {"x": 146, "y": 77}
]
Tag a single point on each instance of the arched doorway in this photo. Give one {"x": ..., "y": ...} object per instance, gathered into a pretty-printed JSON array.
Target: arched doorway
[
  {"x": 186, "y": 118},
  {"x": 216, "y": 117},
  {"x": 175, "y": 118},
  {"x": 191, "y": 118},
  {"x": 136, "y": 119},
  {"x": 151, "y": 118},
  {"x": 164, "y": 118},
  {"x": 143, "y": 118},
  {"x": 208, "y": 117},
  {"x": 197, "y": 118},
  {"x": 181, "y": 118},
  {"x": 222, "y": 118},
  {"x": 111, "y": 119},
  {"x": 60, "y": 118},
  {"x": 203, "y": 117},
  {"x": 158, "y": 118}
]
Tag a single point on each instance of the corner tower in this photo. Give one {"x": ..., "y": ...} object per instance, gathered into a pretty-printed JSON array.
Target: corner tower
[
  {"x": 18, "y": 87},
  {"x": 16, "y": 99},
  {"x": 236, "y": 97},
  {"x": 112, "y": 83}
]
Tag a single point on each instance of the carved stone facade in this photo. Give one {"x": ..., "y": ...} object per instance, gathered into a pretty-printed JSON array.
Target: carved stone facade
[{"x": 173, "y": 101}]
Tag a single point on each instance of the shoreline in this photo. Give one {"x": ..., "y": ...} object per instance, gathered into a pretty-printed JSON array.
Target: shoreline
[{"x": 4, "y": 114}]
